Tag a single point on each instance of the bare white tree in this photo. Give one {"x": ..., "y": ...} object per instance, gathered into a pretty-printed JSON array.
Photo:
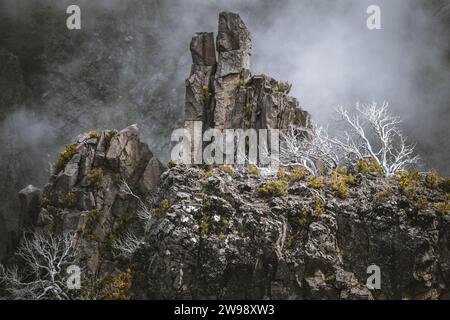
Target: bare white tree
[
  {"x": 309, "y": 152},
  {"x": 144, "y": 210},
  {"x": 44, "y": 274},
  {"x": 371, "y": 133},
  {"x": 374, "y": 133},
  {"x": 128, "y": 244}
]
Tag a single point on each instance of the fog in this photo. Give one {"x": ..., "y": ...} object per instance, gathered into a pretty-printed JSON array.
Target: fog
[{"x": 322, "y": 47}]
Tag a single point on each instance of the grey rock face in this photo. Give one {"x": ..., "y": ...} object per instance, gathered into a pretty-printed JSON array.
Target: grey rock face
[
  {"x": 225, "y": 95},
  {"x": 221, "y": 239},
  {"x": 86, "y": 197}
]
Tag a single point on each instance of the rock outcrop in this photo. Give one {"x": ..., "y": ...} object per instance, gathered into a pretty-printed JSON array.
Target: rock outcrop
[
  {"x": 221, "y": 238},
  {"x": 217, "y": 233},
  {"x": 224, "y": 94},
  {"x": 85, "y": 196}
]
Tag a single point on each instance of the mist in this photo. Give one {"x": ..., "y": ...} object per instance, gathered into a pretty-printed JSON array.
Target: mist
[{"x": 129, "y": 61}]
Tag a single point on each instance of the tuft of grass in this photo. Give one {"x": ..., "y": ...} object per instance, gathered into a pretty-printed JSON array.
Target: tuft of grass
[
  {"x": 281, "y": 173},
  {"x": 69, "y": 151},
  {"x": 253, "y": 170},
  {"x": 94, "y": 134},
  {"x": 298, "y": 174},
  {"x": 92, "y": 221},
  {"x": 227, "y": 169},
  {"x": 118, "y": 288},
  {"x": 319, "y": 208},
  {"x": 406, "y": 183},
  {"x": 240, "y": 83},
  {"x": 165, "y": 205},
  {"x": 432, "y": 179},
  {"x": 443, "y": 207},
  {"x": 274, "y": 188},
  {"x": 339, "y": 184},
  {"x": 171, "y": 164},
  {"x": 366, "y": 166},
  {"x": 111, "y": 134},
  {"x": 316, "y": 182},
  {"x": 96, "y": 180},
  {"x": 69, "y": 200}
]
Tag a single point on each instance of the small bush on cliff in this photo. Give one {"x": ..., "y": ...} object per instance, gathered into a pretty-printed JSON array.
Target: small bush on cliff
[
  {"x": 297, "y": 174},
  {"x": 171, "y": 164},
  {"x": 92, "y": 220},
  {"x": 406, "y": 182},
  {"x": 118, "y": 288},
  {"x": 443, "y": 207},
  {"x": 240, "y": 83},
  {"x": 165, "y": 205},
  {"x": 96, "y": 179},
  {"x": 111, "y": 134},
  {"x": 228, "y": 170},
  {"x": 318, "y": 206},
  {"x": 69, "y": 200},
  {"x": 316, "y": 182},
  {"x": 432, "y": 179},
  {"x": 274, "y": 188},
  {"x": 253, "y": 171},
  {"x": 69, "y": 151},
  {"x": 339, "y": 184},
  {"x": 366, "y": 166},
  {"x": 94, "y": 134},
  {"x": 444, "y": 184}
]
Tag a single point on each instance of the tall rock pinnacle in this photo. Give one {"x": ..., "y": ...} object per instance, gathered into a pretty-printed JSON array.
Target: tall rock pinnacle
[{"x": 224, "y": 94}]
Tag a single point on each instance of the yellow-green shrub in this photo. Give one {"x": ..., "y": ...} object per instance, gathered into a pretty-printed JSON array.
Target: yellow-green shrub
[
  {"x": 432, "y": 179},
  {"x": 366, "y": 166},
  {"x": 253, "y": 170},
  {"x": 119, "y": 287},
  {"x": 69, "y": 200},
  {"x": 94, "y": 134},
  {"x": 339, "y": 184},
  {"x": 69, "y": 151},
  {"x": 171, "y": 164},
  {"x": 165, "y": 205},
  {"x": 96, "y": 179},
  {"x": 274, "y": 188},
  {"x": 406, "y": 183},
  {"x": 297, "y": 174},
  {"x": 318, "y": 205},
  {"x": 281, "y": 173},
  {"x": 228, "y": 170},
  {"x": 316, "y": 182}
]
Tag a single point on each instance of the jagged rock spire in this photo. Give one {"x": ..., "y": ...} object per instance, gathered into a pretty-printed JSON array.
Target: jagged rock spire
[{"x": 225, "y": 94}]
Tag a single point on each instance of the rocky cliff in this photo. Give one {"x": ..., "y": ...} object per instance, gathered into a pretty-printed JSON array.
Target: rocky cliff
[
  {"x": 222, "y": 92},
  {"x": 219, "y": 233}
]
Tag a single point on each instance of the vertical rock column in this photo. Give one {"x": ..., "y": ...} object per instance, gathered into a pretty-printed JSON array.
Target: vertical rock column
[
  {"x": 199, "y": 85},
  {"x": 199, "y": 104},
  {"x": 233, "y": 68}
]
